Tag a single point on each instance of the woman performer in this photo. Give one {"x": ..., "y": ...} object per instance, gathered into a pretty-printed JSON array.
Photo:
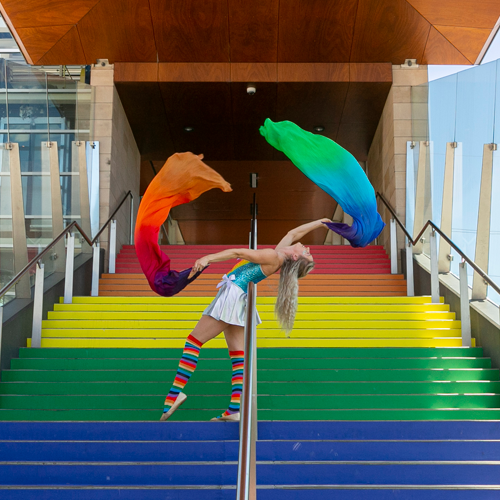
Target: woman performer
[{"x": 226, "y": 313}]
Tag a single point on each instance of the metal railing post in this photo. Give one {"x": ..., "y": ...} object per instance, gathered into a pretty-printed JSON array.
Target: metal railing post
[
  {"x": 464, "y": 305},
  {"x": 434, "y": 268},
  {"x": 70, "y": 266},
  {"x": 112, "y": 247},
  {"x": 394, "y": 248},
  {"x": 246, "y": 485},
  {"x": 36, "y": 333},
  {"x": 410, "y": 288},
  {"x": 131, "y": 219},
  {"x": 94, "y": 292}
]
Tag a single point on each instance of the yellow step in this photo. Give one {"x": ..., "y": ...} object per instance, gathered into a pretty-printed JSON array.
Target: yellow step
[
  {"x": 261, "y": 333},
  {"x": 137, "y": 324},
  {"x": 262, "y": 307},
  {"x": 265, "y": 315},
  {"x": 220, "y": 343},
  {"x": 260, "y": 300}
]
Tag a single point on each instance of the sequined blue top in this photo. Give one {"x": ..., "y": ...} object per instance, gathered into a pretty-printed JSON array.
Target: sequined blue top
[{"x": 245, "y": 273}]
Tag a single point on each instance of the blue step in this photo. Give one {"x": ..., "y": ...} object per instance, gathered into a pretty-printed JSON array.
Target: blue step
[
  {"x": 262, "y": 494},
  {"x": 209, "y": 431},
  {"x": 217, "y": 451},
  {"x": 295, "y": 460},
  {"x": 224, "y": 474}
]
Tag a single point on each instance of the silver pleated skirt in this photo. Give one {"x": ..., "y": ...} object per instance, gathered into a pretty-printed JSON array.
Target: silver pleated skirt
[{"x": 229, "y": 305}]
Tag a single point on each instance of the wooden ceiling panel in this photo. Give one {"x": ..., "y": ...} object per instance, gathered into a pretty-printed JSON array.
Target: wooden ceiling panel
[
  {"x": 469, "y": 41},
  {"x": 226, "y": 232},
  {"x": 33, "y": 13},
  {"x": 192, "y": 103},
  {"x": 388, "y": 30},
  {"x": 316, "y": 30},
  {"x": 38, "y": 41},
  {"x": 311, "y": 104},
  {"x": 107, "y": 33},
  {"x": 253, "y": 30},
  {"x": 143, "y": 104},
  {"x": 471, "y": 13},
  {"x": 285, "y": 198},
  {"x": 191, "y": 31},
  {"x": 441, "y": 51},
  {"x": 69, "y": 45},
  {"x": 283, "y": 193},
  {"x": 365, "y": 102}
]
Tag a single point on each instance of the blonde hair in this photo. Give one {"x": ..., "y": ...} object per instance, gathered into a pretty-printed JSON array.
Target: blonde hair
[{"x": 286, "y": 303}]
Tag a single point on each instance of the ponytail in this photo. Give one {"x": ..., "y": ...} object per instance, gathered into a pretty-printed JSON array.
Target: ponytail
[{"x": 286, "y": 303}]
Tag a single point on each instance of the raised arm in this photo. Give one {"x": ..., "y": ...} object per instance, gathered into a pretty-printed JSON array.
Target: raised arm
[
  {"x": 264, "y": 257},
  {"x": 296, "y": 234}
]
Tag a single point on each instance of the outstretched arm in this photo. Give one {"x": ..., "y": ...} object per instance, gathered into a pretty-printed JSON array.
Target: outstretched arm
[
  {"x": 296, "y": 234},
  {"x": 265, "y": 256}
]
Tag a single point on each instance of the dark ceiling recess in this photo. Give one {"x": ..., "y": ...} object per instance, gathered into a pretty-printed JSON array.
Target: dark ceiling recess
[{"x": 224, "y": 120}]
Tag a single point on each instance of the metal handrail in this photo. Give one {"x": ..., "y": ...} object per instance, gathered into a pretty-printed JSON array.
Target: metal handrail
[
  {"x": 443, "y": 235},
  {"x": 42, "y": 254},
  {"x": 112, "y": 215},
  {"x": 248, "y": 431},
  {"x": 61, "y": 235}
]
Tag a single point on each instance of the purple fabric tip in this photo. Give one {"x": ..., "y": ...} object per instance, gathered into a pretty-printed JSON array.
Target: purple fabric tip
[{"x": 169, "y": 283}]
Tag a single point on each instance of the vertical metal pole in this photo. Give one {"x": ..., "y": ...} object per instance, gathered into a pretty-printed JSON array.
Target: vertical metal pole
[
  {"x": 246, "y": 460},
  {"x": 423, "y": 209},
  {"x": 434, "y": 269},
  {"x": 112, "y": 247},
  {"x": 410, "y": 288},
  {"x": 94, "y": 292},
  {"x": 70, "y": 265},
  {"x": 131, "y": 219},
  {"x": 394, "y": 248},
  {"x": 36, "y": 334},
  {"x": 464, "y": 305}
]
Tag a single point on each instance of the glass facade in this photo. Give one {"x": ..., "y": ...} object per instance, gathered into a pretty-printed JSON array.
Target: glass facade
[
  {"x": 44, "y": 114},
  {"x": 464, "y": 109}
]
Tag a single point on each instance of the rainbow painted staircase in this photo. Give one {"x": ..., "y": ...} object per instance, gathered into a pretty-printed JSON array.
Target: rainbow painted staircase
[{"x": 371, "y": 397}]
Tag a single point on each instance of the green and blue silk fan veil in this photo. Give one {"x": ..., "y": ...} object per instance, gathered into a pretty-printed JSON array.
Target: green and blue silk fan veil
[{"x": 334, "y": 170}]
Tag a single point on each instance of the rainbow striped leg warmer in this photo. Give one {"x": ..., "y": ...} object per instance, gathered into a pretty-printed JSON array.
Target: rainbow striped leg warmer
[
  {"x": 187, "y": 365},
  {"x": 238, "y": 362}
]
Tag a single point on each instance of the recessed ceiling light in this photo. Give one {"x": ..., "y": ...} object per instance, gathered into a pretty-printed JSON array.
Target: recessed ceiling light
[
  {"x": 188, "y": 129},
  {"x": 319, "y": 128}
]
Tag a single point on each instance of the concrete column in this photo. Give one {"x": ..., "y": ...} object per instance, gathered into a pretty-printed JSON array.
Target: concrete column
[
  {"x": 386, "y": 163},
  {"x": 479, "y": 287},
  {"x": 119, "y": 157},
  {"x": 444, "y": 261}
]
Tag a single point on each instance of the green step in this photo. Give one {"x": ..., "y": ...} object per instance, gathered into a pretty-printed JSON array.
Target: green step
[
  {"x": 311, "y": 352},
  {"x": 264, "y": 402},
  {"x": 263, "y": 388},
  {"x": 262, "y": 364},
  {"x": 294, "y": 415},
  {"x": 283, "y": 375}
]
